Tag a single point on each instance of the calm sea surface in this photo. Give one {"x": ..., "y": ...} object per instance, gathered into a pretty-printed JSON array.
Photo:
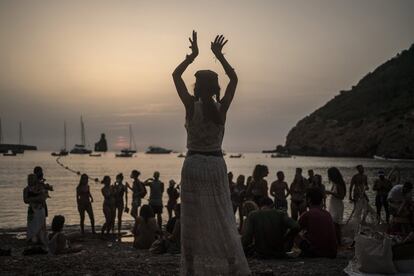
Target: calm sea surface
[{"x": 14, "y": 171}]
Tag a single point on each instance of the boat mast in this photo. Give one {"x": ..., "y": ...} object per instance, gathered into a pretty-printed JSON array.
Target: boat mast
[
  {"x": 130, "y": 137},
  {"x": 64, "y": 135},
  {"x": 1, "y": 133},
  {"x": 20, "y": 133},
  {"x": 83, "y": 132}
]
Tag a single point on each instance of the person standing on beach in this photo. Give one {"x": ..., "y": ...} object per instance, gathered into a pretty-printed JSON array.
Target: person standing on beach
[
  {"x": 298, "y": 194},
  {"x": 358, "y": 196},
  {"x": 279, "y": 189},
  {"x": 84, "y": 200},
  {"x": 311, "y": 175},
  {"x": 317, "y": 183},
  {"x": 120, "y": 190},
  {"x": 210, "y": 244},
  {"x": 336, "y": 203},
  {"x": 108, "y": 205},
  {"x": 237, "y": 195},
  {"x": 382, "y": 186},
  {"x": 156, "y": 191},
  {"x": 38, "y": 171},
  {"x": 138, "y": 192},
  {"x": 173, "y": 195},
  {"x": 35, "y": 195},
  {"x": 258, "y": 188}
]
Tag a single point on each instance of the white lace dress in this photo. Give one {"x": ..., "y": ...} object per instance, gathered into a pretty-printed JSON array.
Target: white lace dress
[{"x": 210, "y": 242}]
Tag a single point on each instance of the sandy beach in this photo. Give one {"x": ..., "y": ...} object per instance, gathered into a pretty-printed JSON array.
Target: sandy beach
[{"x": 104, "y": 257}]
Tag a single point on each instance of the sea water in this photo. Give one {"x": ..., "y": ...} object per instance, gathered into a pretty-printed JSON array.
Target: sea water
[{"x": 14, "y": 171}]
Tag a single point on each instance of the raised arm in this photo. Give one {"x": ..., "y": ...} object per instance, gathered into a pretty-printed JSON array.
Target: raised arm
[
  {"x": 182, "y": 91},
  {"x": 217, "y": 47}
]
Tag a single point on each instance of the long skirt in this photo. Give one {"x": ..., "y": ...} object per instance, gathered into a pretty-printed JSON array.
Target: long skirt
[
  {"x": 210, "y": 242},
  {"x": 36, "y": 227},
  {"x": 336, "y": 209}
]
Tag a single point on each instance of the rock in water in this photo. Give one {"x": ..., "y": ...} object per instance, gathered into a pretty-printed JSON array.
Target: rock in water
[
  {"x": 375, "y": 117},
  {"x": 101, "y": 145}
]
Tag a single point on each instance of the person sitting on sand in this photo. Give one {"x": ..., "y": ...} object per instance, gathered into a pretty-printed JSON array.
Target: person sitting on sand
[
  {"x": 138, "y": 192},
  {"x": 247, "y": 207},
  {"x": 120, "y": 190},
  {"x": 382, "y": 186},
  {"x": 336, "y": 203},
  {"x": 319, "y": 237},
  {"x": 173, "y": 195},
  {"x": 298, "y": 192},
  {"x": 280, "y": 191},
  {"x": 401, "y": 208},
  {"x": 145, "y": 229},
  {"x": 237, "y": 195},
  {"x": 317, "y": 183},
  {"x": 108, "y": 205},
  {"x": 269, "y": 233},
  {"x": 58, "y": 242},
  {"x": 156, "y": 191},
  {"x": 34, "y": 194},
  {"x": 84, "y": 200},
  {"x": 258, "y": 188},
  {"x": 174, "y": 239}
]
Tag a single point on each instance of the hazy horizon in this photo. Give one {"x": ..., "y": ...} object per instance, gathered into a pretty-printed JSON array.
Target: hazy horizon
[{"x": 112, "y": 62}]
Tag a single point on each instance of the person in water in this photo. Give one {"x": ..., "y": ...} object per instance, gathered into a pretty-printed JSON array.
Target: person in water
[
  {"x": 156, "y": 191},
  {"x": 279, "y": 189},
  {"x": 120, "y": 190},
  {"x": 382, "y": 186},
  {"x": 138, "y": 192},
  {"x": 108, "y": 205},
  {"x": 173, "y": 195},
  {"x": 258, "y": 188},
  {"x": 84, "y": 200},
  {"x": 209, "y": 239},
  {"x": 336, "y": 200},
  {"x": 298, "y": 193}
]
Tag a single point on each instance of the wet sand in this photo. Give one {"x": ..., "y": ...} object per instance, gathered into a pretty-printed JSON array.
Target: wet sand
[{"x": 105, "y": 257}]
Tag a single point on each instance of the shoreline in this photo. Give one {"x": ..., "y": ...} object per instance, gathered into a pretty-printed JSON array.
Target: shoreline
[{"x": 102, "y": 256}]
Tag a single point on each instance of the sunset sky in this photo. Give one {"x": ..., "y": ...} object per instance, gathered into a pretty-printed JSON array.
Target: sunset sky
[{"x": 111, "y": 61}]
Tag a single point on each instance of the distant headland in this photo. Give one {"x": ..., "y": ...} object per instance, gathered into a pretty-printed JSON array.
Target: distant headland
[{"x": 375, "y": 117}]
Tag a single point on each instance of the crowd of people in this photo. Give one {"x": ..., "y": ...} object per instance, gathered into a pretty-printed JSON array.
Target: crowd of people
[{"x": 267, "y": 229}]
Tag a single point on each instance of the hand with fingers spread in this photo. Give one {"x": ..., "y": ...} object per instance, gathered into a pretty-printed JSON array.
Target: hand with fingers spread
[
  {"x": 217, "y": 45},
  {"x": 193, "y": 46}
]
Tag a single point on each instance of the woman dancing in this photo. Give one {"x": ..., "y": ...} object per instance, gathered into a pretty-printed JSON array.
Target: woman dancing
[{"x": 209, "y": 239}]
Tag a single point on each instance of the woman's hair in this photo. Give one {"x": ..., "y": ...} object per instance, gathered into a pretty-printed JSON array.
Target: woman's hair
[
  {"x": 83, "y": 179},
  {"x": 260, "y": 171},
  {"x": 57, "y": 223},
  {"x": 335, "y": 176},
  {"x": 146, "y": 212},
  {"x": 205, "y": 87}
]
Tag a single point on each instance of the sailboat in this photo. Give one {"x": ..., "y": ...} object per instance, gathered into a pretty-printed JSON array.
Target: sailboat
[
  {"x": 81, "y": 148},
  {"x": 63, "y": 151},
  {"x": 20, "y": 150},
  {"x": 128, "y": 152},
  {"x": 1, "y": 139}
]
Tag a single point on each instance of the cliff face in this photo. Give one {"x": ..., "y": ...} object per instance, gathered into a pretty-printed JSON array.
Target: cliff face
[{"x": 375, "y": 117}]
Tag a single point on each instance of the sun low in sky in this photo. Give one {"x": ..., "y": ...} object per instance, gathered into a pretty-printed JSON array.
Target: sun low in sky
[{"x": 111, "y": 61}]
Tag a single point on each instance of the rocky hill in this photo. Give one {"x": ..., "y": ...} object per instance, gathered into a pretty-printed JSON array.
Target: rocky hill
[{"x": 375, "y": 117}]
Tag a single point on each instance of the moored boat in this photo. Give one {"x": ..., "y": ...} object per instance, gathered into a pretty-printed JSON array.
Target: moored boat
[{"x": 157, "y": 150}]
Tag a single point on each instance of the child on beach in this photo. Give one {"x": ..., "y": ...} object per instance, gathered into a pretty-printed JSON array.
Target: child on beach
[
  {"x": 58, "y": 242},
  {"x": 280, "y": 191},
  {"x": 145, "y": 229}
]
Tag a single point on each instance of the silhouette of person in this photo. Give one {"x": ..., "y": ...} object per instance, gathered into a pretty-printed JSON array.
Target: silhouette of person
[
  {"x": 210, "y": 242},
  {"x": 84, "y": 199}
]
